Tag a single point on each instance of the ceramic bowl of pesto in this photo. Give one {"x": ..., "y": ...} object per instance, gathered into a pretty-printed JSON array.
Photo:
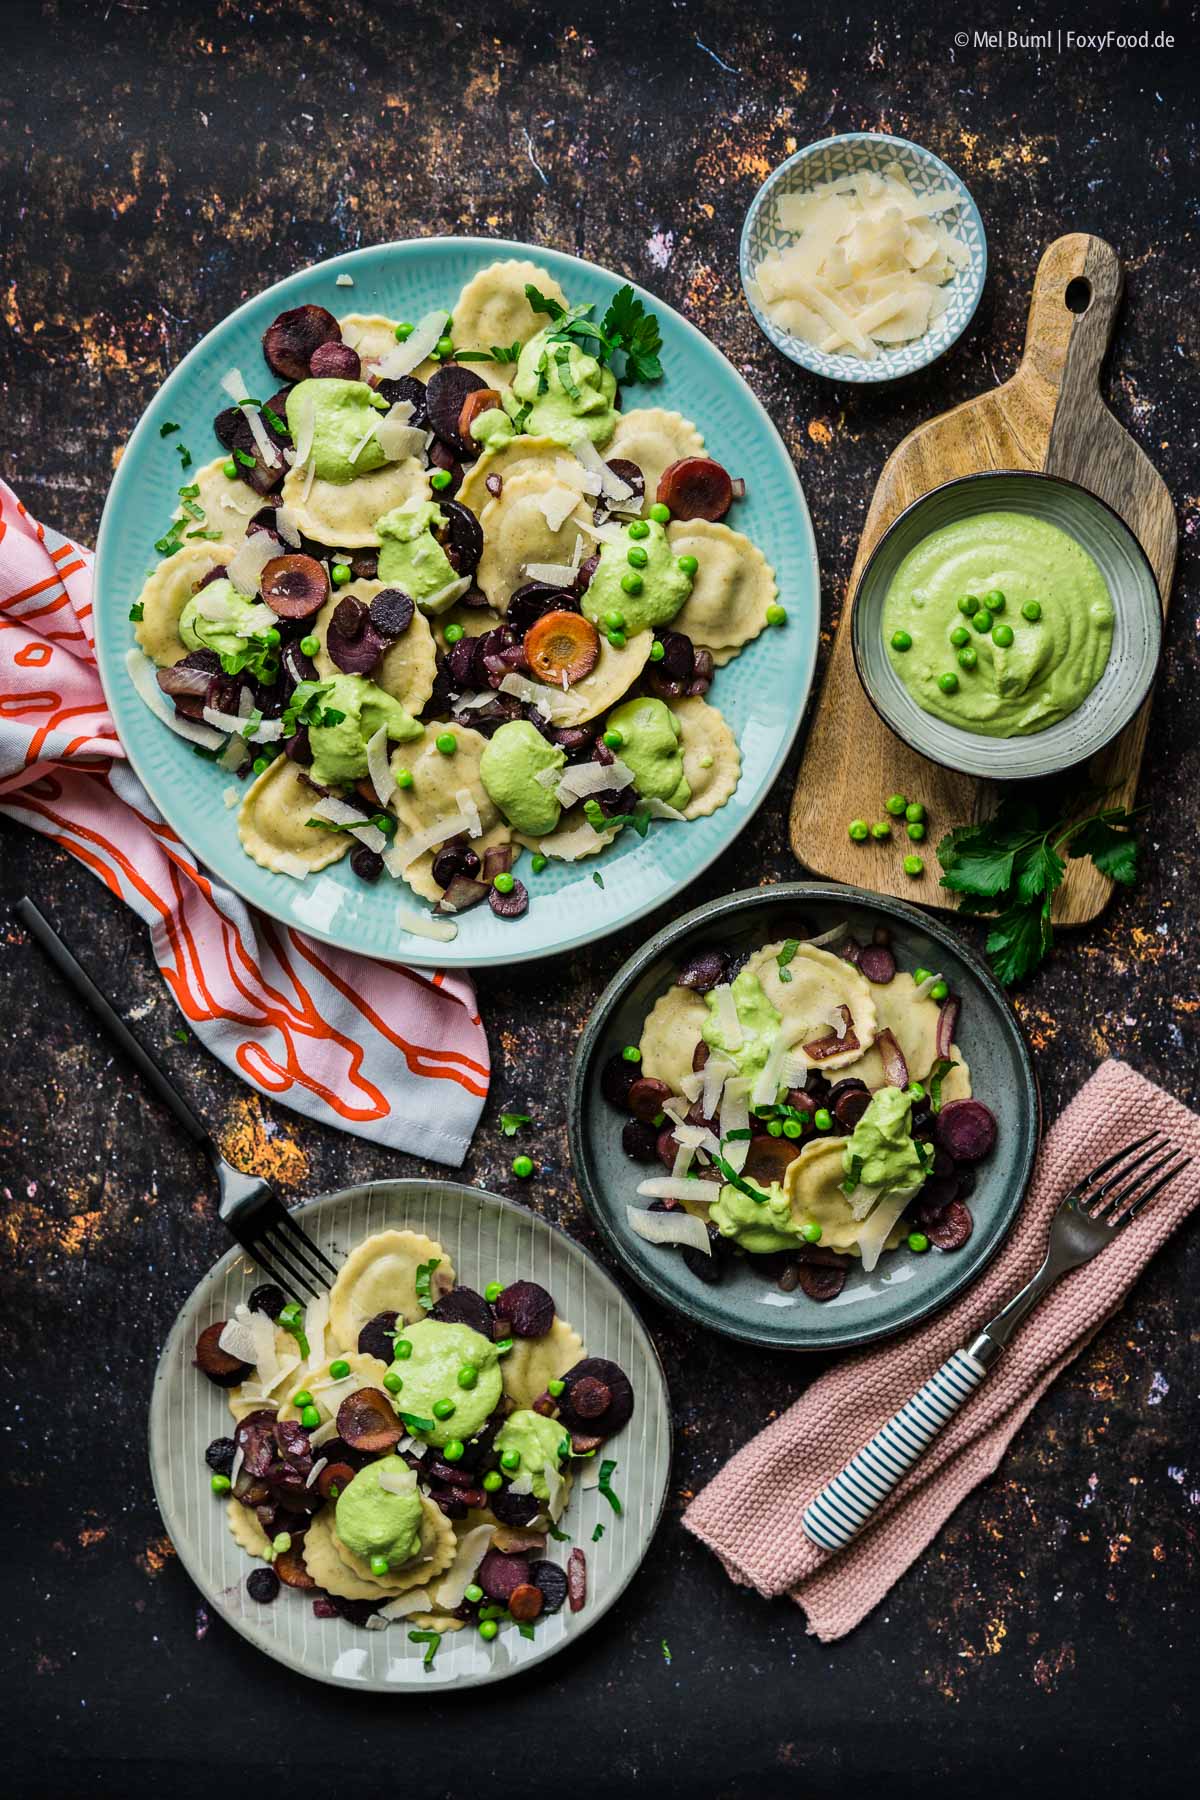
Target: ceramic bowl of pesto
[
  {"x": 1040, "y": 659},
  {"x": 747, "y": 1303}
]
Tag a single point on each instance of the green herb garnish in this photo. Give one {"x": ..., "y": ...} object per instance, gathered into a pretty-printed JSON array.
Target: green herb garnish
[
  {"x": 854, "y": 1176},
  {"x": 628, "y": 338},
  {"x": 935, "y": 1078},
  {"x": 598, "y": 879},
  {"x": 666, "y": 1652},
  {"x": 735, "y": 1137},
  {"x": 190, "y": 491},
  {"x": 562, "y": 357},
  {"x": 422, "y": 1282},
  {"x": 136, "y": 611},
  {"x": 292, "y": 1320},
  {"x": 785, "y": 956},
  {"x": 171, "y": 540},
  {"x": 185, "y": 456},
  {"x": 596, "y": 817},
  {"x": 1011, "y": 866},
  {"x": 215, "y": 536},
  {"x": 560, "y": 1537},
  {"x": 275, "y": 422},
  {"x": 597, "y": 1534},
  {"x": 731, "y": 1177},
  {"x": 246, "y": 461},
  {"x": 525, "y": 1628},
  {"x": 167, "y": 427},
  {"x": 432, "y": 1638},
  {"x": 415, "y": 1422},
  {"x": 497, "y": 353},
  {"x": 607, "y": 1471},
  {"x": 192, "y": 511},
  {"x": 511, "y": 1123}
]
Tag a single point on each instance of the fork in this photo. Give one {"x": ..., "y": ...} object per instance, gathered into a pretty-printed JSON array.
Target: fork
[
  {"x": 249, "y": 1207},
  {"x": 1086, "y": 1221}
]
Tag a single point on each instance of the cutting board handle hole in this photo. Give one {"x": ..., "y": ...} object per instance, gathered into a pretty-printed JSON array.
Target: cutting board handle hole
[{"x": 1078, "y": 295}]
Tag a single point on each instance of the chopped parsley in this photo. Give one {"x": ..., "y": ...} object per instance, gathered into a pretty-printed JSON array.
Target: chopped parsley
[
  {"x": 415, "y": 1422},
  {"x": 185, "y": 456},
  {"x": 597, "y": 1534},
  {"x": 136, "y": 611},
  {"x": 167, "y": 427},
  {"x": 562, "y": 358},
  {"x": 172, "y": 538},
  {"x": 423, "y": 1278},
  {"x": 854, "y": 1177},
  {"x": 511, "y": 1122},
  {"x": 599, "y": 820},
  {"x": 214, "y": 535},
  {"x": 189, "y": 492},
  {"x": 627, "y": 339},
  {"x": 525, "y": 1628},
  {"x": 560, "y": 1537},
  {"x": 785, "y": 956},
  {"x": 305, "y": 708},
  {"x": 607, "y": 1471},
  {"x": 935, "y": 1078},
  {"x": 731, "y": 1177},
  {"x": 598, "y": 879},
  {"x": 247, "y": 462},
  {"x": 666, "y": 1652},
  {"x": 432, "y": 1639},
  {"x": 497, "y": 353},
  {"x": 275, "y": 422}
]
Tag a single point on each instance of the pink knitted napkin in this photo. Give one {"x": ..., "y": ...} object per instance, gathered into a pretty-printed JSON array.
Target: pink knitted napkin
[{"x": 750, "y": 1513}]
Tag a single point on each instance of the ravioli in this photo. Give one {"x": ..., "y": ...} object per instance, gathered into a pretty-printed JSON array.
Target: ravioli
[
  {"x": 406, "y": 670},
  {"x": 365, "y": 1371},
  {"x": 670, "y": 1036},
  {"x": 248, "y": 1534},
  {"x": 474, "y": 620},
  {"x": 914, "y": 1024},
  {"x": 572, "y": 840},
  {"x": 273, "y": 823},
  {"x": 373, "y": 335},
  {"x": 653, "y": 439},
  {"x": 733, "y": 588},
  {"x": 533, "y": 1362},
  {"x": 712, "y": 762},
  {"x": 419, "y": 874},
  {"x": 614, "y": 674},
  {"x": 228, "y": 506},
  {"x": 522, "y": 456},
  {"x": 380, "y": 1275},
  {"x": 343, "y": 514},
  {"x": 493, "y": 309},
  {"x": 516, "y": 531},
  {"x": 167, "y": 591},
  {"x": 806, "y": 1004},
  {"x": 241, "y": 1403},
  {"x": 437, "y": 778},
  {"x": 812, "y": 1184},
  {"x": 335, "y": 1569}
]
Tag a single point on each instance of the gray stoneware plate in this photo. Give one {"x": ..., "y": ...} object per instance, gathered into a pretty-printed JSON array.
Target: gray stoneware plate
[
  {"x": 486, "y": 1237},
  {"x": 903, "y": 1288},
  {"x": 1137, "y": 627}
]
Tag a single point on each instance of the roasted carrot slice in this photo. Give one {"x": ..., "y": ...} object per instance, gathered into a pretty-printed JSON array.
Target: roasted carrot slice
[
  {"x": 481, "y": 400},
  {"x": 696, "y": 487},
  {"x": 562, "y": 644}
]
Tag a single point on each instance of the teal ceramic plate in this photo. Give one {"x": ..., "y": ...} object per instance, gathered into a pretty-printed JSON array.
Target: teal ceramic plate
[
  {"x": 902, "y": 1288},
  {"x": 485, "y": 1236},
  {"x": 763, "y": 692}
]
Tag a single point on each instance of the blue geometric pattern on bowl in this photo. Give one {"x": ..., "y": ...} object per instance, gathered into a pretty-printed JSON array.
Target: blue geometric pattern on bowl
[{"x": 830, "y": 160}]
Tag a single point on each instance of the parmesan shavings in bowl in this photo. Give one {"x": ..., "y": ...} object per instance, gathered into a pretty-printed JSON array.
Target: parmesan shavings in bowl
[{"x": 869, "y": 266}]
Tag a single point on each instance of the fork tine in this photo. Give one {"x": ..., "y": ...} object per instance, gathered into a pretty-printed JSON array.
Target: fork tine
[
  {"x": 301, "y": 1285},
  {"x": 1112, "y": 1206},
  {"x": 1111, "y": 1163},
  {"x": 259, "y": 1255},
  {"x": 289, "y": 1224},
  {"x": 1126, "y": 1164},
  {"x": 285, "y": 1248},
  {"x": 1131, "y": 1212}
]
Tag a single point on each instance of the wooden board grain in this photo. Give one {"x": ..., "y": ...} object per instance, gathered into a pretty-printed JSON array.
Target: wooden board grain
[{"x": 1049, "y": 416}]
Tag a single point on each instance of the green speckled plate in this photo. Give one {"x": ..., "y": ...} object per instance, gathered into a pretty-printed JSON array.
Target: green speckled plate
[
  {"x": 486, "y": 1237},
  {"x": 763, "y": 692},
  {"x": 902, "y": 1288}
]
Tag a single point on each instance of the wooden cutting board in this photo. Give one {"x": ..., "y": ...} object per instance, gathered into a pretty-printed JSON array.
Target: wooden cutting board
[{"x": 1049, "y": 416}]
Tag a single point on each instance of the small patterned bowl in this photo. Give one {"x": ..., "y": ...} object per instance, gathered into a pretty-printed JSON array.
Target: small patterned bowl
[{"x": 826, "y": 161}]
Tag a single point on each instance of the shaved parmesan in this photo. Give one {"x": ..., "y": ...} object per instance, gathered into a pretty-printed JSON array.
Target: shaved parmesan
[
  {"x": 316, "y": 1319},
  {"x": 253, "y": 554},
  {"x": 577, "y": 477},
  {"x": 362, "y": 443},
  {"x": 527, "y": 690},
  {"x": 265, "y": 731},
  {"x": 472, "y": 1547},
  {"x": 454, "y": 590},
  {"x": 658, "y": 809},
  {"x": 556, "y": 1490},
  {"x": 237, "y": 1339},
  {"x": 351, "y": 819},
  {"x": 322, "y": 1462},
  {"x": 379, "y": 766},
  {"x": 582, "y": 779},
  {"x": 403, "y": 358},
  {"x": 692, "y": 1086},
  {"x": 288, "y": 863},
  {"x": 403, "y": 853},
  {"x": 235, "y": 386},
  {"x": 611, "y": 485},
  {"x": 523, "y": 1483},
  {"x": 343, "y": 281},
  {"x": 735, "y": 1116},
  {"x": 685, "y": 1156},
  {"x": 397, "y": 1481},
  {"x": 716, "y": 1072},
  {"x": 874, "y": 1233},
  {"x": 828, "y": 938},
  {"x": 323, "y": 1433},
  {"x": 557, "y": 505},
  {"x": 569, "y": 846},
  {"x": 770, "y": 1077},
  {"x": 423, "y": 925},
  {"x": 558, "y": 575},
  {"x": 397, "y": 438},
  {"x": 670, "y": 1227},
  {"x": 239, "y": 1457},
  {"x": 464, "y": 799},
  {"x": 233, "y": 794},
  {"x": 728, "y": 1023},
  {"x": 415, "y": 1601},
  {"x": 924, "y": 988},
  {"x": 266, "y": 1359},
  {"x": 667, "y": 1187},
  {"x": 141, "y": 673}
]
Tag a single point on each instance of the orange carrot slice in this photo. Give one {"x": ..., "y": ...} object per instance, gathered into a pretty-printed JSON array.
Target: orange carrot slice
[{"x": 562, "y": 643}]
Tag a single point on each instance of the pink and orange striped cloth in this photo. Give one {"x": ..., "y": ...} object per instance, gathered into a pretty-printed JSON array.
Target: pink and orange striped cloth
[{"x": 407, "y": 1067}]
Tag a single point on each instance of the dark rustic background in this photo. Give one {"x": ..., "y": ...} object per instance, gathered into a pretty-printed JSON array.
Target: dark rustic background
[{"x": 162, "y": 162}]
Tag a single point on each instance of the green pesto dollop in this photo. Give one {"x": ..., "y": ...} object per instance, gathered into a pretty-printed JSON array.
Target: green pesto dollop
[
  {"x": 373, "y": 1521},
  {"x": 439, "y": 1350},
  {"x": 759, "y": 1226},
  {"x": 411, "y": 558},
  {"x": 537, "y": 1441},
  {"x": 652, "y": 748},
  {"x": 508, "y": 769},
  {"x": 339, "y": 414},
  {"x": 756, "y": 1016},
  {"x": 492, "y": 429},
  {"x": 340, "y": 750},
  {"x": 568, "y": 391},
  {"x": 248, "y": 619},
  {"x": 665, "y": 586},
  {"x": 1052, "y": 663},
  {"x": 883, "y": 1144}
]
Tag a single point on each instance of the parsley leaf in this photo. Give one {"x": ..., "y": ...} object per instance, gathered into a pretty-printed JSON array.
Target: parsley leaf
[
  {"x": 1019, "y": 940},
  {"x": 275, "y": 422},
  {"x": 599, "y": 820},
  {"x": 511, "y": 1123},
  {"x": 422, "y": 1282},
  {"x": 432, "y": 1638},
  {"x": 935, "y": 1078},
  {"x": 854, "y": 1177},
  {"x": 607, "y": 1471},
  {"x": 1115, "y": 853},
  {"x": 415, "y": 1422},
  {"x": 630, "y": 328},
  {"x": 785, "y": 956},
  {"x": 247, "y": 462},
  {"x": 730, "y": 1176},
  {"x": 497, "y": 353},
  {"x": 1039, "y": 871},
  {"x": 136, "y": 611},
  {"x": 544, "y": 303},
  {"x": 167, "y": 427}
]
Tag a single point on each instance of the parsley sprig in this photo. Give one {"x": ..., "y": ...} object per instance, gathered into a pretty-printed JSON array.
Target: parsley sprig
[
  {"x": 627, "y": 339},
  {"x": 599, "y": 820},
  {"x": 422, "y": 1280},
  {"x": 1013, "y": 863},
  {"x": 511, "y": 1122}
]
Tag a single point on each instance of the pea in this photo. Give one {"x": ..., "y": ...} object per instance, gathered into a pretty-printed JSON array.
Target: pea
[
  {"x": 453, "y": 633},
  {"x": 443, "y": 1409},
  {"x": 446, "y": 742},
  {"x": 657, "y": 651},
  {"x": 948, "y": 682},
  {"x": 776, "y": 615},
  {"x": 523, "y": 1167},
  {"x": 440, "y": 479},
  {"x": 379, "y": 1565},
  {"x": 272, "y": 637},
  {"x": 938, "y": 991},
  {"x": 901, "y": 640},
  {"x": 392, "y": 1382},
  {"x": 492, "y": 1480},
  {"x": 339, "y": 1369},
  {"x": 637, "y": 557},
  {"x": 1003, "y": 635},
  {"x": 404, "y": 778},
  {"x": 639, "y": 529},
  {"x": 881, "y": 829},
  {"x": 302, "y": 1398},
  {"x": 341, "y": 574},
  {"x": 403, "y": 331},
  {"x": 982, "y": 621},
  {"x": 401, "y": 1349},
  {"x": 631, "y": 584},
  {"x": 503, "y": 883},
  {"x": 631, "y": 1053},
  {"x": 914, "y": 865},
  {"x": 994, "y": 600},
  {"x": 468, "y": 1375},
  {"x": 968, "y": 604},
  {"x": 916, "y": 832},
  {"x": 895, "y": 804},
  {"x": 917, "y": 1242},
  {"x": 261, "y": 764},
  {"x": 967, "y": 658},
  {"x": 920, "y": 975},
  {"x": 309, "y": 646},
  {"x": 229, "y": 470},
  {"x": 281, "y": 1543},
  {"x": 473, "y": 1593},
  {"x": 1031, "y": 611},
  {"x": 454, "y": 1451},
  {"x": 443, "y": 346},
  {"x": 811, "y": 1233},
  {"x": 792, "y": 1128},
  {"x": 775, "y": 1128},
  {"x": 310, "y": 1418},
  {"x": 615, "y": 621},
  {"x": 915, "y": 1091},
  {"x": 858, "y": 830},
  {"x": 660, "y": 514},
  {"x": 614, "y": 739},
  {"x": 564, "y": 1449},
  {"x": 689, "y": 565},
  {"x": 493, "y": 1291},
  {"x": 823, "y": 1119},
  {"x": 539, "y": 862},
  {"x": 511, "y": 1460},
  {"x": 503, "y": 1346},
  {"x": 221, "y": 1484},
  {"x": 488, "y": 1629}
]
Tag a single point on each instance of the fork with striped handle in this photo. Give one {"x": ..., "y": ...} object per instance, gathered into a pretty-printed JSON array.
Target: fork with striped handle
[
  {"x": 1093, "y": 1213},
  {"x": 249, "y": 1207}
]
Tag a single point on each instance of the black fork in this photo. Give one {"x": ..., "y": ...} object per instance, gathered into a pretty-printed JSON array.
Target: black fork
[{"x": 249, "y": 1206}]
